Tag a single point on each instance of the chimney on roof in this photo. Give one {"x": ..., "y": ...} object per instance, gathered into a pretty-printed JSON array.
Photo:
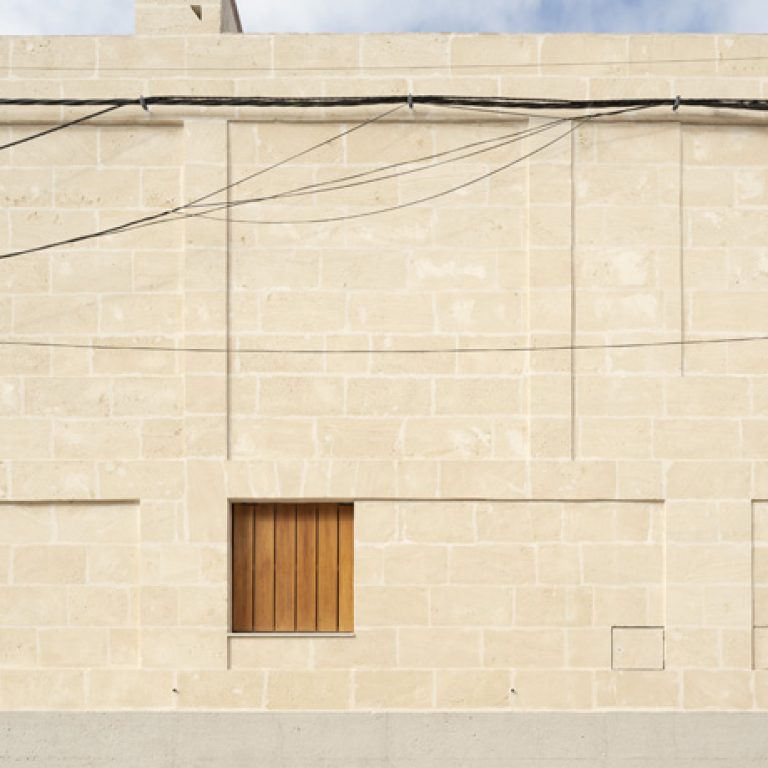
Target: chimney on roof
[{"x": 176, "y": 17}]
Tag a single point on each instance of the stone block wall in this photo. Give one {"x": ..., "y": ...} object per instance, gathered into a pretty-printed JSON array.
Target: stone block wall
[{"x": 576, "y": 529}]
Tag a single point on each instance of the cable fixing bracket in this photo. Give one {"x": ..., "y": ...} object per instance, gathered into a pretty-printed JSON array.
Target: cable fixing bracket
[
  {"x": 143, "y": 103},
  {"x": 676, "y": 105},
  {"x": 410, "y": 101}
]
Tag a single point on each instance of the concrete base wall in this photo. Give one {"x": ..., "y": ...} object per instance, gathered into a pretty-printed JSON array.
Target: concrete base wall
[{"x": 154, "y": 740}]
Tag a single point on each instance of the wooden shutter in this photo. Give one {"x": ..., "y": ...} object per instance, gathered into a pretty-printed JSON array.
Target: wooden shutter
[{"x": 292, "y": 568}]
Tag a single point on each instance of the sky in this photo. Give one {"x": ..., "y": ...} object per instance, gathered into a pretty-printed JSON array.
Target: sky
[{"x": 31, "y": 17}]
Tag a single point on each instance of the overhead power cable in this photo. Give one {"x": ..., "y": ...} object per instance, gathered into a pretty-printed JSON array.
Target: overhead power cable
[
  {"x": 59, "y": 127},
  {"x": 388, "y": 351},
  {"x": 304, "y": 102}
]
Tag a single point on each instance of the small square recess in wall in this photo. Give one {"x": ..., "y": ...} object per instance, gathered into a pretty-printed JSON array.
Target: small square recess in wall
[
  {"x": 761, "y": 647},
  {"x": 637, "y": 647}
]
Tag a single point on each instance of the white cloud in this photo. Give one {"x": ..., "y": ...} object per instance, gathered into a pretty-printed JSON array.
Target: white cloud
[
  {"x": 391, "y": 16},
  {"x": 744, "y": 16},
  {"x": 506, "y": 15}
]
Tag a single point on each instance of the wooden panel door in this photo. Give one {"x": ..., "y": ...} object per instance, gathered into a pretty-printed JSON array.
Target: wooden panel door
[
  {"x": 264, "y": 569},
  {"x": 242, "y": 568},
  {"x": 306, "y": 568},
  {"x": 293, "y": 567},
  {"x": 346, "y": 569},
  {"x": 327, "y": 568},
  {"x": 285, "y": 567}
]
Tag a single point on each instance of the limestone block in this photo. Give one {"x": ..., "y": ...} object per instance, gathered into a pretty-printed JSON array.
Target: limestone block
[
  {"x": 308, "y": 690},
  {"x": 73, "y": 647},
  {"x": 553, "y": 606},
  {"x": 437, "y": 523},
  {"x": 415, "y": 564},
  {"x": 130, "y": 689},
  {"x": 183, "y": 648},
  {"x": 543, "y": 689},
  {"x": 34, "y": 606},
  {"x": 639, "y": 648},
  {"x": 42, "y": 689},
  {"x": 49, "y": 564},
  {"x": 761, "y": 647},
  {"x": 221, "y": 689},
  {"x": 492, "y": 564},
  {"x": 373, "y": 649},
  {"x": 439, "y": 648},
  {"x": 473, "y": 689},
  {"x": 638, "y": 690},
  {"x": 387, "y": 397},
  {"x": 472, "y": 606},
  {"x": 18, "y": 648},
  {"x": 390, "y": 606},
  {"x": 525, "y": 522},
  {"x": 524, "y": 648},
  {"x": 25, "y": 439},
  {"x": 393, "y": 689},
  {"x": 717, "y": 690}
]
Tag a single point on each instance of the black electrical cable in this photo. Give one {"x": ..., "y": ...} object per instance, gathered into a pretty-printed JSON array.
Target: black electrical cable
[
  {"x": 388, "y": 351},
  {"x": 443, "y": 193},
  {"x": 162, "y": 216},
  {"x": 399, "y": 206},
  {"x": 59, "y": 127},
  {"x": 760, "y": 105},
  {"x": 331, "y": 185},
  {"x": 296, "y": 156},
  {"x": 321, "y": 187},
  {"x": 168, "y": 215}
]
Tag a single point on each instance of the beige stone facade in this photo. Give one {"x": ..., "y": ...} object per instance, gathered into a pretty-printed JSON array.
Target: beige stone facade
[{"x": 534, "y": 530}]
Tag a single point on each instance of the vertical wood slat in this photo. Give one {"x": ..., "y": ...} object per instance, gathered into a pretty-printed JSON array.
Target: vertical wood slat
[
  {"x": 327, "y": 568},
  {"x": 242, "y": 568},
  {"x": 292, "y": 567},
  {"x": 264, "y": 568},
  {"x": 346, "y": 569},
  {"x": 306, "y": 568},
  {"x": 285, "y": 567}
]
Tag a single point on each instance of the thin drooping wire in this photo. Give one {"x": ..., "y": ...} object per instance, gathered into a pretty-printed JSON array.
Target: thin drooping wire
[
  {"x": 575, "y": 122},
  {"x": 321, "y": 186},
  {"x": 331, "y": 185},
  {"x": 398, "y": 206},
  {"x": 59, "y": 127},
  {"x": 407, "y": 351},
  {"x": 387, "y": 67},
  {"x": 293, "y": 157},
  {"x": 168, "y": 215},
  {"x": 163, "y": 215}
]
